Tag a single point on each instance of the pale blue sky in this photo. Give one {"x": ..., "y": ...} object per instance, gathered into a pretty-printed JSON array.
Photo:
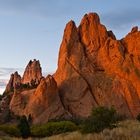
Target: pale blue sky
[{"x": 34, "y": 28}]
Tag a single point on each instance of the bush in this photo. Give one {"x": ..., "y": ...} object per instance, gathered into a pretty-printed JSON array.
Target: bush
[
  {"x": 12, "y": 130},
  {"x": 138, "y": 117},
  {"x": 24, "y": 127},
  {"x": 100, "y": 119},
  {"x": 77, "y": 121},
  {"x": 52, "y": 128}
]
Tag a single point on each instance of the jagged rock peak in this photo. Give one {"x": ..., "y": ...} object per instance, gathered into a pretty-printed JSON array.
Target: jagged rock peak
[
  {"x": 70, "y": 31},
  {"x": 91, "y": 17},
  {"x": 69, "y": 38},
  {"x": 32, "y": 72},
  {"x": 51, "y": 81},
  {"x": 92, "y": 33},
  {"x": 71, "y": 23},
  {"x": 15, "y": 80},
  {"x": 134, "y": 29},
  {"x": 111, "y": 34}
]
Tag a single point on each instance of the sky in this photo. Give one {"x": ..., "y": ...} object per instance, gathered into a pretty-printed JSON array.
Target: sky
[{"x": 33, "y": 29}]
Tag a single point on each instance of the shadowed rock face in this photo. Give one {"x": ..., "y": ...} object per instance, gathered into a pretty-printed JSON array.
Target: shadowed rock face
[{"x": 94, "y": 69}]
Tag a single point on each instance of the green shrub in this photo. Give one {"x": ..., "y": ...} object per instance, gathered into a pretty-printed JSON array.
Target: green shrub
[
  {"x": 77, "y": 121},
  {"x": 11, "y": 130},
  {"x": 24, "y": 127},
  {"x": 52, "y": 128},
  {"x": 100, "y": 119}
]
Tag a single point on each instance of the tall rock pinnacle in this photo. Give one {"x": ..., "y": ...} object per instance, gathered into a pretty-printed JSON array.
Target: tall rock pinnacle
[
  {"x": 15, "y": 80},
  {"x": 96, "y": 69},
  {"x": 32, "y": 72}
]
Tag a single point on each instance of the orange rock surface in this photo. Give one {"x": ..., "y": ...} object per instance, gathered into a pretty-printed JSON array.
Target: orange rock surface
[{"x": 96, "y": 69}]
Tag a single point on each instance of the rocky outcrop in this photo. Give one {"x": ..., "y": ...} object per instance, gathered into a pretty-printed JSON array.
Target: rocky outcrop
[
  {"x": 45, "y": 103},
  {"x": 15, "y": 80},
  {"x": 20, "y": 100},
  {"x": 94, "y": 69},
  {"x": 32, "y": 72},
  {"x": 42, "y": 104}
]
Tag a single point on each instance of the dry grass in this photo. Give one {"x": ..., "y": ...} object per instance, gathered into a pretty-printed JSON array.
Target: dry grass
[{"x": 127, "y": 130}]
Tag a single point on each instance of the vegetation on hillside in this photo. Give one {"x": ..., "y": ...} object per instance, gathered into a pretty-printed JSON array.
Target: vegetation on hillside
[
  {"x": 53, "y": 128},
  {"x": 126, "y": 130},
  {"x": 101, "y": 125},
  {"x": 101, "y": 118}
]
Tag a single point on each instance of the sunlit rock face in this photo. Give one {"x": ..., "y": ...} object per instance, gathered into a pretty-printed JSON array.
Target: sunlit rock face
[
  {"x": 45, "y": 104},
  {"x": 94, "y": 69},
  {"x": 42, "y": 104}
]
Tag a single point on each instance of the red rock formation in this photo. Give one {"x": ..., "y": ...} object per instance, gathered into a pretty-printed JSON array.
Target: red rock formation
[
  {"x": 94, "y": 69},
  {"x": 42, "y": 104},
  {"x": 14, "y": 81},
  {"x": 45, "y": 103},
  {"x": 20, "y": 101},
  {"x": 32, "y": 72}
]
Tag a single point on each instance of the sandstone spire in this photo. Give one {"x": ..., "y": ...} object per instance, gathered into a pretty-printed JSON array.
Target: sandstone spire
[
  {"x": 32, "y": 72},
  {"x": 15, "y": 80}
]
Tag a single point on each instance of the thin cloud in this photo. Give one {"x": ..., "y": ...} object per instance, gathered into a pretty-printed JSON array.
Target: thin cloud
[{"x": 8, "y": 71}]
